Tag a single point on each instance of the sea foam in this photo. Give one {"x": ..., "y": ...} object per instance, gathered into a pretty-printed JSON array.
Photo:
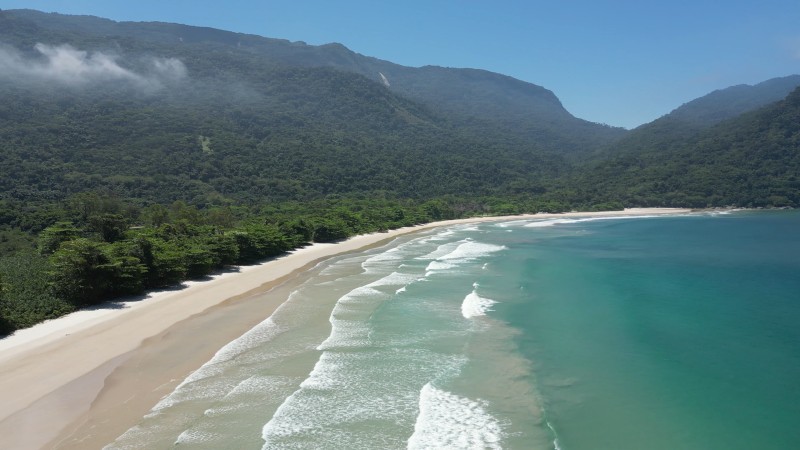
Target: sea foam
[
  {"x": 556, "y": 444},
  {"x": 348, "y": 325},
  {"x": 475, "y": 305},
  {"x": 448, "y": 421},
  {"x": 441, "y": 250},
  {"x": 467, "y": 251},
  {"x": 348, "y": 393},
  {"x": 553, "y": 222},
  {"x": 348, "y": 328},
  {"x": 188, "y": 389},
  {"x": 471, "y": 250}
]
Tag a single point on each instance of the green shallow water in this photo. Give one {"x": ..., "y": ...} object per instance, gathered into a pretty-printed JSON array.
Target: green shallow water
[{"x": 630, "y": 333}]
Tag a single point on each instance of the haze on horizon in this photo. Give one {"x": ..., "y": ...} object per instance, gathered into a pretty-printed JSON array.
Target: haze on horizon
[{"x": 622, "y": 64}]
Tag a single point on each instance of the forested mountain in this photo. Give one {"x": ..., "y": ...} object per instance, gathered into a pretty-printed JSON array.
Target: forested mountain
[
  {"x": 673, "y": 129},
  {"x": 159, "y": 119},
  {"x": 486, "y": 101},
  {"x": 158, "y": 112},
  {"x": 730, "y": 102},
  {"x": 752, "y": 160}
]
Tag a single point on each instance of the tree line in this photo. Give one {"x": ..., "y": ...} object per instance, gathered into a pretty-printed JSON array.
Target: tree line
[{"x": 98, "y": 251}]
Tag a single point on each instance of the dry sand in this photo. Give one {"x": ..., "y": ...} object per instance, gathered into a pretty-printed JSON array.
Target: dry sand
[{"x": 81, "y": 380}]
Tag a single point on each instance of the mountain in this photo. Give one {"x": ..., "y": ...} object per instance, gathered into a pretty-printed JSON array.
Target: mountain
[
  {"x": 751, "y": 160},
  {"x": 691, "y": 118},
  {"x": 161, "y": 112},
  {"x": 164, "y": 112},
  {"x": 483, "y": 100},
  {"x": 730, "y": 102}
]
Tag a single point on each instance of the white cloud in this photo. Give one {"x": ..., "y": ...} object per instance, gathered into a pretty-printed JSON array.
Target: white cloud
[
  {"x": 64, "y": 64},
  {"x": 169, "y": 67}
]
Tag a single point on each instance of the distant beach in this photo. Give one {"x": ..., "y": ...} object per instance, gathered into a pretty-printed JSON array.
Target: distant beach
[{"x": 82, "y": 380}]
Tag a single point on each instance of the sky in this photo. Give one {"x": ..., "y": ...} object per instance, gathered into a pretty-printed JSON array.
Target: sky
[{"x": 623, "y": 63}]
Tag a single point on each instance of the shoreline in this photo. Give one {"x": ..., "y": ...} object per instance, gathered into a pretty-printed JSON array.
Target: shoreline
[{"x": 73, "y": 382}]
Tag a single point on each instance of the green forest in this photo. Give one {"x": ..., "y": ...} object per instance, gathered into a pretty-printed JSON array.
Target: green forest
[{"x": 204, "y": 150}]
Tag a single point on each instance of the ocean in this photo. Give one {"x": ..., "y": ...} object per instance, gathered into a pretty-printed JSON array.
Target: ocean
[{"x": 676, "y": 332}]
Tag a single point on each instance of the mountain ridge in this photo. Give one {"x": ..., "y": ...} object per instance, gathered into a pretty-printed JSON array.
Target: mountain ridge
[
  {"x": 312, "y": 128},
  {"x": 499, "y": 101},
  {"x": 732, "y": 101},
  {"x": 692, "y": 118},
  {"x": 750, "y": 160}
]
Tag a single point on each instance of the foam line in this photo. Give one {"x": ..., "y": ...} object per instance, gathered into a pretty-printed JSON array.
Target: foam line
[
  {"x": 553, "y": 222},
  {"x": 448, "y": 421}
]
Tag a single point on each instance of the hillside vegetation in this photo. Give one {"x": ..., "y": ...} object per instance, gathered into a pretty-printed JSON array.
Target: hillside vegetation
[{"x": 749, "y": 161}]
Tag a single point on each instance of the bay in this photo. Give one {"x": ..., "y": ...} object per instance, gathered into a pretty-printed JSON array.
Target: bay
[{"x": 602, "y": 333}]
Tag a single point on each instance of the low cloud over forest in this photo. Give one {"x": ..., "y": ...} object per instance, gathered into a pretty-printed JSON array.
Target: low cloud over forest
[{"x": 68, "y": 66}]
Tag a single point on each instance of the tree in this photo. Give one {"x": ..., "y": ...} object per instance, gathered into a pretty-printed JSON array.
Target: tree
[
  {"x": 81, "y": 272},
  {"x": 258, "y": 242},
  {"x": 52, "y": 237},
  {"x": 111, "y": 227},
  {"x": 299, "y": 231},
  {"x": 164, "y": 260},
  {"x": 198, "y": 259},
  {"x": 127, "y": 268},
  {"x": 156, "y": 215},
  {"x": 330, "y": 230},
  {"x": 223, "y": 249},
  {"x": 437, "y": 210},
  {"x": 220, "y": 217},
  {"x": 87, "y": 204},
  {"x": 179, "y": 211},
  {"x": 27, "y": 298}
]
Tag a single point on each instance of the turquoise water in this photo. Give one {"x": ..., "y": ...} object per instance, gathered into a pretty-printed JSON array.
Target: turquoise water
[
  {"x": 627, "y": 333},
  {"x": 668, "y": 333}
]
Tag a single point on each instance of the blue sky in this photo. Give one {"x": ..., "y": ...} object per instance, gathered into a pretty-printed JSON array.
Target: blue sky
[{"x": 618, "y": 62}]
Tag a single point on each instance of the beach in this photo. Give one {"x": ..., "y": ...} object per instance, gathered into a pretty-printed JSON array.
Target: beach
[{"x": 82, "y": 380}]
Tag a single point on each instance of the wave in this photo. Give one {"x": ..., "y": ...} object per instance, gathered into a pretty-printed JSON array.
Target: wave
[
  {"x": 448, "y": 421},
  {"x": 441, "y": 250},
  {"x": 556, "y": 444},
  {"x": 511, "y": 223},
  {"x": 561, "y": 221},
  {"x": 723, "y": 212},
  {"x": 549, "y": 223},
  {"x": 439, "y": 266},
  {"x": 475, "y": 305},
  {"x": 192, "y": 436},
  {"x": 389, "y": 258},
  {"x": 442, "y": 235},
  {"x": 394, "y": 279},
  {"x": 188, "y": 389},
  {"x": 471, "y": 250},
  {"x": 348, "y": 393},
  {"x": 348, "y": 326},
  {"x": 466, "y": 251}
]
